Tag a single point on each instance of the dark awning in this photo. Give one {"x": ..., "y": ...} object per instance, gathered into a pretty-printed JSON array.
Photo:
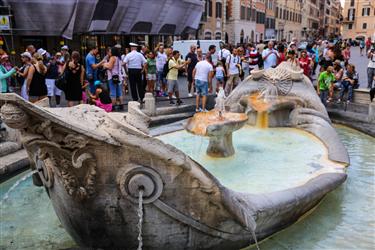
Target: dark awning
[{"x": 68, "y": 17}]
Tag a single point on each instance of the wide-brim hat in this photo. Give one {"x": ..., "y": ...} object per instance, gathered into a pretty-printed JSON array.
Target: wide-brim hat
[
  {"x": 42, "y": 51},
  {"x": 26, "y": 54}
]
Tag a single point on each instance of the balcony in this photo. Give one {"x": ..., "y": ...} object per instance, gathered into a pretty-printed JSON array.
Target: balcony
[{"x": 347, "y": 20}]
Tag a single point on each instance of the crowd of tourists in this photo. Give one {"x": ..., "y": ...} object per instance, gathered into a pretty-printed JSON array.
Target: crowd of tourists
[{"x": 105, "y": 81}]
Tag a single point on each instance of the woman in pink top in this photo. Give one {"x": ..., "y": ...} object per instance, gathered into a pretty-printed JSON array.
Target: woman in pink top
[{"x": 346, "y": 54}]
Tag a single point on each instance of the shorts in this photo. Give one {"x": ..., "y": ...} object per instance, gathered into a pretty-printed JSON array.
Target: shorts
[
  {"x": 220, "y": 79},
  {"x": 52, "y": 90},
  {"x": 115, "y": 90},
  {"x": 161, "y": 78},
  {"x": 201, "y": 87},
  {"x": 172, "y": 86},
  {"x": 151, "y": 77}
]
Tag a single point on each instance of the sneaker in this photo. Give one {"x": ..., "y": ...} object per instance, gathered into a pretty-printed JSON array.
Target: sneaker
[
  {"x": 198, "y": 110},
  {"x": 171, "y": 102},
  {"x": 190, "y": 95},
  {"x": 205, "y": 110},
  {"x": 173, "y": 96},
  {"x": 179, "y": 102},
  {"x": 338, "y": 101},
  {"x": 348, "y": 101}
]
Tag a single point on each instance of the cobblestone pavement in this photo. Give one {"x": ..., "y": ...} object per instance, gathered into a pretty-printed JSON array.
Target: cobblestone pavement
[{"x": 360, "y": 63}]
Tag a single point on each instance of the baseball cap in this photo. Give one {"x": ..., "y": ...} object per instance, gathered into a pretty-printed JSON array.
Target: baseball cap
[{"x": 65, "y": 47}]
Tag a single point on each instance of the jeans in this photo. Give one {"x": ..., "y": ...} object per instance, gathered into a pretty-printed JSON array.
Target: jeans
[
  {"x": 115, "y": 90},
  {"x": 232, "y": 82},
  {"x": 323, "y": 96},
  {"x": 370, "y": 77},
  {"x": 345, "y": 85},
  {"x": 160, "y": 80}
]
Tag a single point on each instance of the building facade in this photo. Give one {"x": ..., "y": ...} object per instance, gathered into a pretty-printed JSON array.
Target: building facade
[
  {"x": 260, "y": 8},
  {"x": 330, "y": 18},
  {"x": 288, "y": 19},
  {"x": 358, "y": 19},
  {"x": 270, "y": 20},
  {"x": 310, "y": 19},
  {"x": 212, "y": 24},
  {"x": 241, "y": 21}
]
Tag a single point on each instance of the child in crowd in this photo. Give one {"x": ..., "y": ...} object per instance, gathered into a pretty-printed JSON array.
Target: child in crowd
[
  {"x": 326, "y": 78},
  {"x": 150, "y": 71},
  {"x": 101, "y": 98},
  {"x": 220, "y": 74}
]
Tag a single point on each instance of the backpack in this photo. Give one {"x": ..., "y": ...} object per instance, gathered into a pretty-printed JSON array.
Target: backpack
[{"x": 166, "y": 69}]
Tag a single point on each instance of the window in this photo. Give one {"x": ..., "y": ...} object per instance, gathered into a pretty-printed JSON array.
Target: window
[
  {"x": 219, "y": 7},
  {"x": 351, "y": 3},
  {"x": 207, "y": 35},
  {"x": 364, "y": 26},
  {"x": 350, "y": 26},
  {"x": 287, "y": 15},
  {"x": 209, "y": 7},
  {"x": 365, "y": 11},
  {"x": 218, "y": 36},
  {"x": 243, "y": 10},
  {"x": 284, "y": 14},
  {"x": 248, "y": 13},
  {"x": 277, "y": 12}
]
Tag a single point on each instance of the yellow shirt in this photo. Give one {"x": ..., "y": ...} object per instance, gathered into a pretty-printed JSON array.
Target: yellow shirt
[{"x": 173, "y": 72}]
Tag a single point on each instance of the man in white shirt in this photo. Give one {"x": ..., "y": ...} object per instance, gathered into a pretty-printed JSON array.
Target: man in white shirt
[
  {"x": 270, "y": 56},
  {"x": 161, "y": 59},
  {"x": 232, "y": 65},
  {"x": 222, "y": 56},
  {"x": 135, "y": 62},
  {"x": 202, "y": 75}
]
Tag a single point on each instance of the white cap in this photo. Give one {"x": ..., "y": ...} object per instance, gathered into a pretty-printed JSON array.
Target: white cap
[
  {"x": 26, "y": 54},
  {"x": 133, "y": 45},
  {"x": 65, "y": 47},
  {"x": 118, "y": 46},
  {"x": 41, "y": 51}
]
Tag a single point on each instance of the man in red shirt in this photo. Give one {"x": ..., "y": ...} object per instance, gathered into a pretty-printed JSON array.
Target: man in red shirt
[{"x": 368, "y": 44}]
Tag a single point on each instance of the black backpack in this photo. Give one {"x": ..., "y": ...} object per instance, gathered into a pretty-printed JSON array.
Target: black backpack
[{"x": 166, "y": 69}]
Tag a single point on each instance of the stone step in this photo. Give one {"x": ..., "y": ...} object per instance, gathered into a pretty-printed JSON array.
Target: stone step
[
  {"x": 352, "y": 107},
  {"x": 347, "y": 115},
  {"x": 175, "y": 110},
  {"x": 166, "y": 119},
  {"x": 8, "y": 147},
  {"x": 13, "y": 162}
]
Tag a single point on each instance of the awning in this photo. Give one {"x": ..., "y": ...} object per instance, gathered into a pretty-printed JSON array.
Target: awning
[{"x": 68, "y": 17}]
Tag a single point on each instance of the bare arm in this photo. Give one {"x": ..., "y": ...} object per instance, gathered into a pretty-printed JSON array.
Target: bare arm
[
  {"x": 30, "y": 77},
  {"x": 111, "y": 63},
  {"x": 82, "y": 75}
]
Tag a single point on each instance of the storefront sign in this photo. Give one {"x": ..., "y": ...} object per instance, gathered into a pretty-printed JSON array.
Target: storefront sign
[{"x": 4, "y": 23}]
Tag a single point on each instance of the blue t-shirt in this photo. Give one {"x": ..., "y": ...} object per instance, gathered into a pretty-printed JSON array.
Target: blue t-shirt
[{"x": 90, "y": 72}]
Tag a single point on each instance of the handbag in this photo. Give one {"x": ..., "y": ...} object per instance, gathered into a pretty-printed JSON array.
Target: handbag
[{"x": 61, "y": 82}]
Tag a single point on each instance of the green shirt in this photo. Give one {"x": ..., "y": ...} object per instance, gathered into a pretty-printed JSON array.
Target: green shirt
[
  {"x": 151, "y": 66},
  {"x": 325, "y": 80},
  {"x": 4, "y": 74}
]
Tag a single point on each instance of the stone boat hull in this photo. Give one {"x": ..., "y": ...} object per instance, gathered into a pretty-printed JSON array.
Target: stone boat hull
[{"x": 93, "y": 164}]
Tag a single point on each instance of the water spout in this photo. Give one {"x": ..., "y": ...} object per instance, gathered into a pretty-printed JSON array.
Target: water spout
[
  {"x": 140, "y": 218},
  {"x": 220, "y": 103}
]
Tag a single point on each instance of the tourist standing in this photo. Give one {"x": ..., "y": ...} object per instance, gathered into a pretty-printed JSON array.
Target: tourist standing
[
  {"x": 315, "y": 49},
  {"x": 150, "y": 69},
  {"x": 346, "y": 54},
  {"x": 22, "y": 73},
  {"x": 361, "y": 46},
  {"x": 253, "y": 57},
  {"x": 370, "y": 68},
  {"x": 134, "y": 62},
  {"x": 260, "y": 46},
  {"x": 202, "y": 75},
  {"x": 161, "y": 60},
  {"x": 223, "y": 55},
  {"x": 31, "y": 49},
  {"x": 92, "y": 68},
  {"x": 199, "y": 54},
  {"x": 191, "y": 60},
  {"x": 114, "y": 75},
  {"x": 326, "y": 78},
  {"x": 269, "y": 56},
  {"x": 75, "y": 75},
  {"x": 51, "y": 76},
  {"x": 4, "y": 76},
  {"x": 220, "y": 75},
  {"x": 174, "y": 65},
  {"x": 368, "y": 44},
  {"x": 349, "y": 83},
  {"x": 232, "y": 66},
  {"x": 305, "y": 63},
  {"x": 281, "y": 53},
  {"x": 36, "y": 79}
]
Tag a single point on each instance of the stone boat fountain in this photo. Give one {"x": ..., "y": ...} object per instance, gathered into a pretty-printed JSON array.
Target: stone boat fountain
[{"x": 104, "y": 176}]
